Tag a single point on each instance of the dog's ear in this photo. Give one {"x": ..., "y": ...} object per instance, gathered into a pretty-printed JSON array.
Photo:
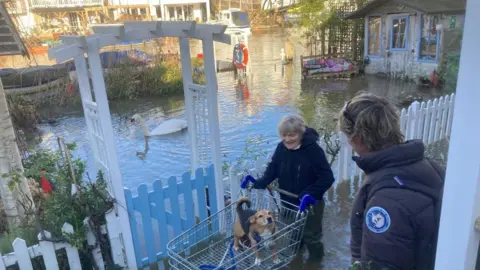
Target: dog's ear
[{"x": 252, "y": 219}]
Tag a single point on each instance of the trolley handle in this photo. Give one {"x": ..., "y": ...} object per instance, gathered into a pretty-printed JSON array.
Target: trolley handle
[{"x": 305, "y": 202}]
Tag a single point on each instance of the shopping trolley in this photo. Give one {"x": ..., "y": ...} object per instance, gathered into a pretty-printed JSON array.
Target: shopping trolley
[{"x": 209, "y": 244}]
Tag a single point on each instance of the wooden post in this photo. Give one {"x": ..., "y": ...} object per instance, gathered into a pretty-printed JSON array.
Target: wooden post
[
  {"x": 62, "y": 145},
  {"x": 187, "y": 79},
  {"x": 116, "y": 186},
  {"x": 207, "y": 3},
  {"x": 322, "y": 40},
  {"x": 92, "y": 242},
  {"x": 85, "y": 93},
  {"x": 458, "y": 241},
  {"x": 213, "y": 122}
]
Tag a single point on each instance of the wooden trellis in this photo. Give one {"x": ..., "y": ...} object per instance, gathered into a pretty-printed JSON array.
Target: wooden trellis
[{"x": 203, "y": 125}]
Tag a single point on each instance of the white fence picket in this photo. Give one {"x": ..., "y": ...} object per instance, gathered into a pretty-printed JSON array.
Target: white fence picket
[
  {"x": 114, "y": 233},
  {"x": 433, "y": 121},
  {"x": 403, "y": 119},
  {"x": 259, "y": 167},
  {"x": 341, "y": 159},
  {"x": 438, "y": 124},
  {"x": 421, "y": 120},
  {"x": 72, "y": 253},
  {"x": 2, "y": 264},
  {"x": 21, "y": 252},
  {"x": 235, "y": 179},
  {"x": 450, "y": 114},
  {"x": 345, "y": 155},
  {"x": 48, "y": 250},
  {"x": 415, "y": 118},
  {"x": 428, "y": 118},
  {"x": 96, "y": 252},
  {"x": 410, "y": 125},
  {"x": 443, "y": 130}
]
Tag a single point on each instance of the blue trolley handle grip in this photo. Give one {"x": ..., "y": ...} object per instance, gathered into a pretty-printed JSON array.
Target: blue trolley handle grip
[
  {"x": 246, "y": 179},
  {"x": 306, "y": 202}
]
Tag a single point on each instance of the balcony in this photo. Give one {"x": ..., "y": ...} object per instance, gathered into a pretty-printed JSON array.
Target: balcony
[
  {"x": 128, "y": 2},
  {"x": 57, "y": 4}
]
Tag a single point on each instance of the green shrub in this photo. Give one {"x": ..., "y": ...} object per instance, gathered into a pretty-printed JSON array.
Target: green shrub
[
  {"x": 451, "y": 73},
  {"x": 28, "y": 234},
  {"x": 53, "y": 210},
  {"x": 129, "y": 80}
]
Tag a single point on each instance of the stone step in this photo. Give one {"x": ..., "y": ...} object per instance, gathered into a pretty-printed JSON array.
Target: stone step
[{"x": 10, "y": 41}]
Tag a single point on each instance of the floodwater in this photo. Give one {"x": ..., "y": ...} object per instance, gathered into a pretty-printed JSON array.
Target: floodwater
[{"x": 248, "y": 108}]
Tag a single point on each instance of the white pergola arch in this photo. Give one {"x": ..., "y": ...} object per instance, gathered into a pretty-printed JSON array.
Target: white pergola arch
[{"x": 200, "y": 104}]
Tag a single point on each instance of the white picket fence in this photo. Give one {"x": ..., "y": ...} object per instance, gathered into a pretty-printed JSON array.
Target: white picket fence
[
  {"x": 47, "y": 249},
  {"x": 429, "y": 121}
]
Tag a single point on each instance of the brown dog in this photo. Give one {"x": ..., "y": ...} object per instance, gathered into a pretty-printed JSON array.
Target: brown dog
[{"x": 250, "y": 222}]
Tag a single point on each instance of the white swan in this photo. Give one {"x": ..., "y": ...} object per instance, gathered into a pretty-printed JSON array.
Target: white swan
[{"x": 167, "y": 127}]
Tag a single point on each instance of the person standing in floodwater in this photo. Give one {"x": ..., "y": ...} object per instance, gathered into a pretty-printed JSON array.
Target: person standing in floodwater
[
  {"x": 302, "y": 168},
  {"x": 395, "y": 214}
]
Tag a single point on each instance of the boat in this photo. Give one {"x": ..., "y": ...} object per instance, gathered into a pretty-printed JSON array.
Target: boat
[
  {"x": 237, "y": 21},
  {"x": 327, "y": 66}
]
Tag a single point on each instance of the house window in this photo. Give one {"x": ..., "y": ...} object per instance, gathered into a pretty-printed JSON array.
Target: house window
[
  {"x": 188, "y": 12},
  {"x": 180, "y": 13},
  {"x": 429, "y": 37},
  {"x": 399, "y": 34},
  {"x": 171, "y": 13},
  {"x": 374, "y": 39}
]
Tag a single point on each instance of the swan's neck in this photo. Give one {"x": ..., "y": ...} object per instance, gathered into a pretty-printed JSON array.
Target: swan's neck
[{"x": 144, "y": 127}]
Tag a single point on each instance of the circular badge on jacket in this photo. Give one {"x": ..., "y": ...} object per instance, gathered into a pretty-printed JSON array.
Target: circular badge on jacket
[{"x": 377, "y": 219}]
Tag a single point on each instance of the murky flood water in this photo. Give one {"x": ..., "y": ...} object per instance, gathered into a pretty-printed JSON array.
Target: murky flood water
[{"x": 248, "y": 108}]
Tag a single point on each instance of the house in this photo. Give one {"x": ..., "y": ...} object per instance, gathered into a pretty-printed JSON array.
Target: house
[
  {"x": 67, "y": 16},
  {"x": 62, "y": 16},
  {"x": 20, "y": 14},
  {"x": 410, "y": 38},
  {"x": 183, "y": 10}
]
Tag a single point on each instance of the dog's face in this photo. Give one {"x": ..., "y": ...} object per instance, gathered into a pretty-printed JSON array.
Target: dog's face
[{"x": 262, "y": 218}]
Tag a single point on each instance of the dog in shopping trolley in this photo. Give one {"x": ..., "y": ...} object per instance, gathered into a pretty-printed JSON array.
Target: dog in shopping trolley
[{"x": 250, "y": 223}]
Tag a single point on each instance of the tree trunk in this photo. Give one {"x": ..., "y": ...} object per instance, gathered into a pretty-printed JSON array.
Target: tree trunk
[
  {"x": 10, "y": 161},
  {"x": 322, "y": 40}
]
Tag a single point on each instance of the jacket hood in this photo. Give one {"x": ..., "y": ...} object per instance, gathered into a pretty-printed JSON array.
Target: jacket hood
[
  {"x": 394, "y": 156},
  {"x": 408, "y": 166},
  {"x": 309, "y": 137}
]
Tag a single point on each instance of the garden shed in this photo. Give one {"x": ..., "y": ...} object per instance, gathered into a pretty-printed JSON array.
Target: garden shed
[{"x": 410, "y": 38}]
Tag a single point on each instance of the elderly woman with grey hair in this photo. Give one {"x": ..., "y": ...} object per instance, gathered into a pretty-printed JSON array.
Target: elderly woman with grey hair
[
  {"x": 396, "y": 212},
  {"x": 301, "y": 167}
]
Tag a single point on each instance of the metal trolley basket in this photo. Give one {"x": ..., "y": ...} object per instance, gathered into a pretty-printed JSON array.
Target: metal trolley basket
[{"x": 209, "y": 244}]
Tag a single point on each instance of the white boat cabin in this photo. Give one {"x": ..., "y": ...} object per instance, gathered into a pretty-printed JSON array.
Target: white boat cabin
[{"x": 234, "y": 18}]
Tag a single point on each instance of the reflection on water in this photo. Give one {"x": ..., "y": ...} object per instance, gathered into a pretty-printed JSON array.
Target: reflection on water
[{"x": 248, "y": 107}]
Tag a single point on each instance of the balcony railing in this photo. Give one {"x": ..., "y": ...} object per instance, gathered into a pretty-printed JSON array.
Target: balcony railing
[{"x": 64, "y": 3}]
